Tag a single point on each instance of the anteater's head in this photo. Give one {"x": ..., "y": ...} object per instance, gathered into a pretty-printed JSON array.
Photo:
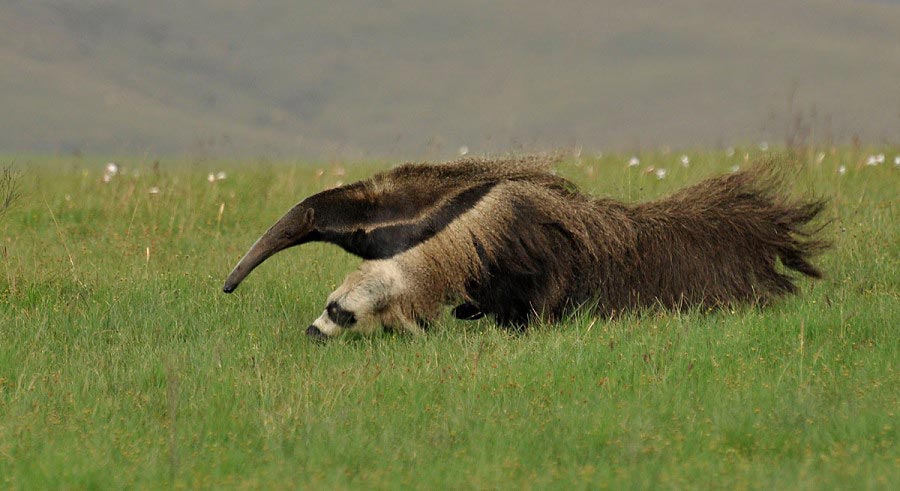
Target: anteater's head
[
  {"x": 294, "y": 228},
  {"x": 370, "y": 297}
]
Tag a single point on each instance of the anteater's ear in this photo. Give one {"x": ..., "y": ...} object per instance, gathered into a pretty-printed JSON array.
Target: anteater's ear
[{"x": 310, "y": 216}]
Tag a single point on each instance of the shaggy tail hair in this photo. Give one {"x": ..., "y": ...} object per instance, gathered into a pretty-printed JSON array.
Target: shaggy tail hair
[{"x": 719, "y": 242}]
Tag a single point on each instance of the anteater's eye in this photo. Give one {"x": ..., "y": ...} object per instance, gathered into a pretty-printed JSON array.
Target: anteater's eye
[{"x": 340, "y": 315}]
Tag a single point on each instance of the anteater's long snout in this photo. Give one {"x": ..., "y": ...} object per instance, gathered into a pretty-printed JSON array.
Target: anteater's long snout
[
  {"x": 260, "y": 251},
  {"x": 290, "y": 230}
]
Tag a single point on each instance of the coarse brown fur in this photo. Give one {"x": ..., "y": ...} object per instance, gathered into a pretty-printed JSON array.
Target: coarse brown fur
[{"x": 509, "y": 239}]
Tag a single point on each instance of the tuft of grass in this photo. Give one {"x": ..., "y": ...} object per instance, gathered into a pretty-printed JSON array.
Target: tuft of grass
[
  {"x": 123, "y": 364},
  {"x": 9, "y": 189}
]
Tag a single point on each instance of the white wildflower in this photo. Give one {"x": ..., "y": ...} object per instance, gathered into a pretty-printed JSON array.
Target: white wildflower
[
  {"x": 211, "y": 178},
  {"x": 897, "y": 161},
  {"x": 873, "y": 160},
  {"x": 634, "y": 162},
  {"x": 735, "y": 168},
  {"x": 685, "y": 161},
  {"x": 660, "y": 173},
  {"x": 220, "y": 176},
  {"x": 820, "y": 157},
  {"x": 463, "y": 150},
  {"x": 842, "y": 170},
  {"x": 110, "y": 171},
  {"x": 154, "y": 190}
]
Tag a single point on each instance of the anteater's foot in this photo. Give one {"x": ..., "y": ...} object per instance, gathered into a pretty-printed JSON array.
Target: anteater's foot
[{"x": 467, "y": 312}]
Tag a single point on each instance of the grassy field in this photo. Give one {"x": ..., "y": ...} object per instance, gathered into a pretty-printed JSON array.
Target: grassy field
[{"x": 123, "y": 365}]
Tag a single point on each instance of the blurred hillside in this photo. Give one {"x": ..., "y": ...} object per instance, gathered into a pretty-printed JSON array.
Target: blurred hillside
[{"x": 409, "y": 79}]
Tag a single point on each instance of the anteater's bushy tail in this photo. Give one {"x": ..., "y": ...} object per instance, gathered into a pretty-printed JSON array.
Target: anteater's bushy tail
[{"x": 720, "y": 241}]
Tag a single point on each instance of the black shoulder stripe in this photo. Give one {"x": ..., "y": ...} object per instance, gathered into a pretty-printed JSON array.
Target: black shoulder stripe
[
  {"x": 390, "y": 240},
  {"x": 357, "y": 204}
]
